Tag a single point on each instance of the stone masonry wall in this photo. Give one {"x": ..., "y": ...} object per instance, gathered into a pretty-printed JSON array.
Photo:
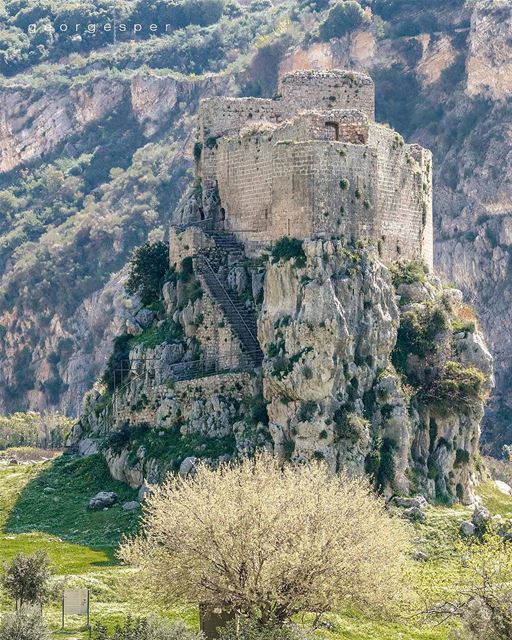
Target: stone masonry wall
[
  {"x": 328, "y": 89},
  {"x": 323, "y": 188},
  {"x": 404, "y": 195},
  {"x": 313, "y": 161},
  {"x": 244, "y": 172}
]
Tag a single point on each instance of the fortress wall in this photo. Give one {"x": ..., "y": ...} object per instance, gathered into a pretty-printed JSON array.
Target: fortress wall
[
  {"x": 314, "y": 191},
  {"x": 226, "y": 116},
  {"x": 244, "y": 170},
  {"x": 328, "y": 90},
  {"x": 404, "y": 198},
  {"x": 223, "y": 117}
]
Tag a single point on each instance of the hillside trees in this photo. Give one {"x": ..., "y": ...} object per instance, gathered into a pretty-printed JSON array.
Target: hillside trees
[
  {"x": 149, "y": 266},
  {"x": 342, "y": 18},
  {"x": 269, "y": 542},
  {"x": 34, "y": 430}
]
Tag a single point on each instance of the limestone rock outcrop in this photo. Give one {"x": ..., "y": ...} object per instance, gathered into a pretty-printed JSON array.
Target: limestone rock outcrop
[{"x": 370, "y": 377}]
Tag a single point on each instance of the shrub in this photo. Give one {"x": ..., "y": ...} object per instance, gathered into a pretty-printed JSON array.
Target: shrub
[
  {"x": 26, "y": 624},
  {"x": 152, "y": 628},
  {"x": 247, "y": 629},
  {"x": 307, "y": 411},
  {"x": 149, "y": 267},
  {"x": 268, "y": 541},
  {"x": 407, "y": 272},
  {"x": 350, "y": 426},
  {"x": 288, "y": 248},
  {"x": 26, "y": 579},
  {"x": 458, "y": 387},
  {"x": 416, "y": 335},
  {"x": 342, "y": 18},
  {"x": 480, "y": 594}
]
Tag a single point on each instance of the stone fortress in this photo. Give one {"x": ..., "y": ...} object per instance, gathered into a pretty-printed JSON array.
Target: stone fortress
[{"x": 313, "y": 162}]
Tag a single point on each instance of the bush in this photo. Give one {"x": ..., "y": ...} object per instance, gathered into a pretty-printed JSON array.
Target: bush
[
  {"x": 458, "y": 387},
  {"x": 407, "y": 272},
  {"x": 149, "y": 267},
  {"x": 26, "y": 579},
  {"x": 288, "y": 248},
  {"x": 247, "y": 629},
  {"x": 269, "y": 541},
  {"x": 416, "y": 335},
  {"x": 26, "y": 624},
  {"x": 152, "y": 628},
  {"x": 342, "y": 18},
  {"x": 481, "y": 592}
]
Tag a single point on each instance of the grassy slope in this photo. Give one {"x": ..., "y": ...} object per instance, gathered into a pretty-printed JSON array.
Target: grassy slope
[{"x": 81, "y": 544}]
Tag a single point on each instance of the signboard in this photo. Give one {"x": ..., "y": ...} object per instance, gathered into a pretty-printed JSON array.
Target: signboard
[{"x": 76, "y": 602}]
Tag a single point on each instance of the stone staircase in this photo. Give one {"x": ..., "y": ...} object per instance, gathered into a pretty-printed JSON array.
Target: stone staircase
[{"x": 241, "y": 319}]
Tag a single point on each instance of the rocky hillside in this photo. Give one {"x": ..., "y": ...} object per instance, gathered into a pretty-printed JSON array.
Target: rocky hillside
[
  {"x": 95, "y": 137},
  {"x": 367, "y": 368}
]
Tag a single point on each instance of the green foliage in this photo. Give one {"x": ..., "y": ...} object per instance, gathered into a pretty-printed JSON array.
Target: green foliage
[
  {"x": 416, "y": 335},
  {"x": 26, "y": 578},
  {"x": 146, "y": 629},
  {"x": 151, "y": 337},
  {"x": 342, "y": 18},
  {"x": 307, "y": 411},
  {"x": 350, "y": 426},
  {"x": 463, "y": 326},
  {"x": 461, "y": 457},
  {"x": 458, "y": 387},
  {"x": 170, "y": 445},
  {"x": 386, "y": 473},
  {"x": 34, "y": 430},
  {"x": 149, "y": 268},
  {"x": 287, "y": 248},
  {"x": 247, "y": 629},
  {"x": 407, "y": 273},
  {"x": 55, "y": 501}
]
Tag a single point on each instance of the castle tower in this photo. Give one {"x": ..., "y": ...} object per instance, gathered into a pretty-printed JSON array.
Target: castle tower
[{"x": 311, "y": 162}]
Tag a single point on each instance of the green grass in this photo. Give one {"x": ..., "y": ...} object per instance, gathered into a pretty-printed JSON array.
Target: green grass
[
  {"x": 81, "y": 546},
  {"x": 54, "y": 500}
]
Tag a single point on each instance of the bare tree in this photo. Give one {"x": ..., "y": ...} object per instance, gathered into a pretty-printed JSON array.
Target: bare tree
[{"x": 269, "y": 541}]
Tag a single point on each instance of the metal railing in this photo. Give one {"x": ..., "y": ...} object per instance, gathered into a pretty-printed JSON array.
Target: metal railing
[{"x": 203, "y": 259}]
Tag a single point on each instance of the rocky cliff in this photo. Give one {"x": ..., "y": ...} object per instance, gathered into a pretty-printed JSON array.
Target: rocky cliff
[{"x": 372, "y": 369}]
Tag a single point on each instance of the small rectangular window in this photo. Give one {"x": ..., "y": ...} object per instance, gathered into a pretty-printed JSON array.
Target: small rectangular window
[{"x": 332, "y": 131}]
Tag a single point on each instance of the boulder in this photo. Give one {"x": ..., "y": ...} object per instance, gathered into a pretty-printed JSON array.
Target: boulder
[
  {"x": 414, "y": 514},
  {"x": 188, "y": 466},
  {"x": 420, "y": 556},
  {"x": 131, "y": 505},
  {"x": 87, "y": 447},
  {"x": 481, "y": 517},
  {"x": 467, "y": 529},
  {"x": 503, "y": 487},
  {"x": 419, "y": 502},
  {"x": 103, "y": 500},
  {"x": 144, "y": 491}
]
